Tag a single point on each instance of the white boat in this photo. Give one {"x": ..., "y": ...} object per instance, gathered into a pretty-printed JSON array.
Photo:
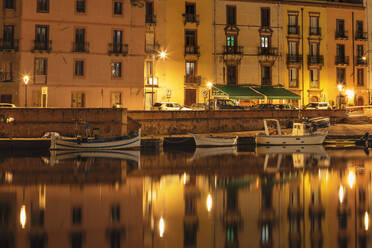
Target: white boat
[
  {"x": 214, "y": 140},
  {"x": 302, "y": 134},
  {"x": 123, "y": 142}
]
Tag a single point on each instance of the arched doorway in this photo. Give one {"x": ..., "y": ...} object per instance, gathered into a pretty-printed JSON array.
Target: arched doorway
[{"x": 360, "y": 101}]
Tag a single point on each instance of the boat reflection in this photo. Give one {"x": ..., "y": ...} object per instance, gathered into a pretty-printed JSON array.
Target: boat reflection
[{"x": 202, "y": 152}]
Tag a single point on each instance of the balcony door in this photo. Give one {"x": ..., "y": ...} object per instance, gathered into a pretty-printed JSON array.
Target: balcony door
[
  {"x": 42, "y": 36},
  {"x": 190, "y": 96},
  {"x": 8, "y": 36}
]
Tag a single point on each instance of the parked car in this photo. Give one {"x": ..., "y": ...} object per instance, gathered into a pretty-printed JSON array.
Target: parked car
[
  {"x": 285, "y": 107},
  {"x": 169, "y": 106},
  {"x": 263, "y": 106},
  {"x": 318, "y": 105},
  {"x": 7, "y": 105},
  {"x": 199, "y": 106},
  {"x": 224, "y": 104}
]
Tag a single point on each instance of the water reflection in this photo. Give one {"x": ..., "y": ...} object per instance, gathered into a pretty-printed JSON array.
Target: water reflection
[{"x": 297, "y": 197}]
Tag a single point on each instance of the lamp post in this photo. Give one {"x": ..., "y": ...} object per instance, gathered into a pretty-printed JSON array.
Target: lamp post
[
  {"x": 209, "y": 86},
  {"x": 339, "y": 95},
  {"x": 162, "y": 55},
  {"x": 26, "y": 78}
]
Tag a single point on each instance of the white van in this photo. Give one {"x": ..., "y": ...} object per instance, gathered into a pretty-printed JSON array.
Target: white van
[{"x": 318, "y": 105}]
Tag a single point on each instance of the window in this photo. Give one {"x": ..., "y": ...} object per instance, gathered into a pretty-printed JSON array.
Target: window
[
  {"x": 77, "y": 101},
  {"x": 230, "y": 40},
  {"x": 117, "y": 41},
  {"x": 37, "y": 218},
  {"x": 190, "y": 206},
  {"x": 76, "y": 211},
  {"x": 80, "y": 6},
  {"x": 42, "y": 37},
  {"x": 42, "y": 6},
  {"x": 293, "y": 24},
  {"x": 115, "y": 239},
  {"x": 341, "y": 73},
  {"x": 314, "y": 78},
  {"x": 9, "y": 4},
  {"x": 231, "y": 15},
  {"x": 360, "y": 50},
  {"x": 360, "y": 77},
  {"x": 118, "y": 7},
  {"x": 340, "y": 50},
  {"x": 116, "y": 101},
  {"x": 340, "y": 27},
  {"x": 359, "y": 29},
  {"x": 190, "y": 41},
  {"x": 266, "y": 75},
  {"x": 149, "y": 12},
  {"x": 41, "y": 66},
  {"x": 265, "y": 41},
  {"x": 232, "y": 74},
  {"x": 5, "y": 98},
  {"x": 76, "y": 240},
  {"x": 190, "y": 12},
  {"x": 8, "y": 37},
  {"x": 293, "y": 77},
  {"x": 265, "y": 17},
  {"x": 115, "y": 213},
  {"x": 190, "y": 235},
  {"x": 79, "y": 40},
  {"x": 116, "y": 69},
  {"x": 6, "y": 72},
  {"x": 190, "y": 68},
  {"x": 293, "y": 48},
  {"x": 314, "y": 49},
  {"x": 79, "y": 68},
  {"x": 314, "y": 25}
]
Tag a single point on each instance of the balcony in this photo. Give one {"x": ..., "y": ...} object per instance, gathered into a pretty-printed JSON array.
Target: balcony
[
  {"x": 342, "y": 60},
  {"x": 40, "y": 79},
  {"x": 118, "y": 48},
  {"x": 341, "y": 35},
  {"x": 294, "y": 59},
  {"x": 9, "y": 45},
  {"x": 233, "y": 49},
  {"x": 268, "y": 51},
  {"x": 293, "y": 29},
  {"x": 6, "y": 77},
  {"x": 80, "y": 47},
  {"x": 190, "y": 18},
  {"x": 194, "y": 80},
  {"x": 150, "y": 19},
  {"x": 361, "y": 35},
  {"x": 315, "y": 60},
  {"x": 315, "y": 31},
  {"x": 361, "y": 60},
  {"x": 192, "y": 50},
  {"x": 42, "y": 46}
]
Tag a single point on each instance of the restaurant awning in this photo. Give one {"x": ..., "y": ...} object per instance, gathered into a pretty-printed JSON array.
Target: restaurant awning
[
  {"x": 276, "y": 93},
  {"x": 235, "y": 92}
]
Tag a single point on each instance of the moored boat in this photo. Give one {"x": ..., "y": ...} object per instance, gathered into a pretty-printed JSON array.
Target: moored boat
[
  {"x": 302, "y": 134},
  {"x": 210, "y": 141}
]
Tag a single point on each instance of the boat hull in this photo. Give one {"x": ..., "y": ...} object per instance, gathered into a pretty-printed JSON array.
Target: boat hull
[
  {"x": 75, "y": 144},
  {"x": 208, "y": 141},
  {"x": 315, "y": 139}
]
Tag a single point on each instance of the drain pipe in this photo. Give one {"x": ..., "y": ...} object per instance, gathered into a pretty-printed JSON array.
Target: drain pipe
[{"x": 302, "y": 64}]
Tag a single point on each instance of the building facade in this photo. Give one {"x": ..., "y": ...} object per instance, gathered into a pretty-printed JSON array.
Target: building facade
[{"x": 76, "y": 53}]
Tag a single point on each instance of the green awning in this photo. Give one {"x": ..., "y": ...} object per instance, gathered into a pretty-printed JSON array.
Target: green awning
[
  {"x": 235, "y": 92},
  {"x": 276, "y": 93}
]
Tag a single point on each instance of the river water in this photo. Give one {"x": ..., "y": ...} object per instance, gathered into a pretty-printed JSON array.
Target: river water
[{"x": 206, "y": 197}]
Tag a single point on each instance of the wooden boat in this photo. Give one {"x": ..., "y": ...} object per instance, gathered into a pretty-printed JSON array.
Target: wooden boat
[
  {"x": 302, "y": 134},
  {"x": 214, "y": 140},
  {"x": 123, "y": 142}
]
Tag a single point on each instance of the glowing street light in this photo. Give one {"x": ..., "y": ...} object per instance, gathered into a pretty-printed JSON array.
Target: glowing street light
[
  {"x": 26, "y": 79},
  {"x": 350, "y": 94},
  {"x": 155, "y": 54}
]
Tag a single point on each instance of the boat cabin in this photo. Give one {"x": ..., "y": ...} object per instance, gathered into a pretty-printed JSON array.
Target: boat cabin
[{"x": 300, "y": 129}]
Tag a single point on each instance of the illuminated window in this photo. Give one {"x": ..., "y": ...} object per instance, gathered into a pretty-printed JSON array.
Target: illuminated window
[
  {"x": 116, "y": 69},
  {"x": 293, "y": 77}
]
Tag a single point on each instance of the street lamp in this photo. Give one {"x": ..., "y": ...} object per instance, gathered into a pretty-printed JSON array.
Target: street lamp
[
  {"x": 26, "y": 78},
  {"x": 339, "y": 95},
  {"x": 209, "y": 86},
  {"x": 155, "y": 54}
]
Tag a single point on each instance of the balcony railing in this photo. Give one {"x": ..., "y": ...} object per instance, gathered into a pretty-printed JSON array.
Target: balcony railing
[
  {"x": 316, "y": 31},
  {"x": 9, "y": 44},
  {"x": 40, "y": 79},
  {"x": 191, "y": 79},
  {"x": 118, "y": 48},
  {"x": 190, "y": 18},
  {"x": 294, "y": 58},
  {"x": 341, "y": 34},
  {"x": 315, "y": 59},
  {"x": 293, "y": 29},
  {"x": 192, "y": 50},
  {"x": 82, "y": 47},
  {"x": 268, "y": 51},
  {"x": 342, "y": 60},
  {"x": 233, "y": 49},
  {"x": 361, "y": 60},
  {"x": 150, "y": 19},
  {"x": 6, "y": 77},
  {"x": 361, "y": 35},
  {"x": 42, "y": 45}
]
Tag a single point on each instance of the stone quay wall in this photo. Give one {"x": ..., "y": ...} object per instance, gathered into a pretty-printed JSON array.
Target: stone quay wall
[
  {"x": 34, "y": 122},
  {"x": 181, "y": 122}
]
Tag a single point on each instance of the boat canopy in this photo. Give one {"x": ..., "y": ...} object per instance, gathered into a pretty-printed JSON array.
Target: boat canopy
[
  {"x": 276, "y": 93},
  {"x": 236, "y": 92}
]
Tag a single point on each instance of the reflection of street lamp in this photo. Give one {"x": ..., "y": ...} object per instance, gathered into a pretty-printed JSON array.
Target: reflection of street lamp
[
  {"x": 209, "y": 202},
  {"x": 22, "y": 216},
  {"x": 25, "y": 80},
  {"x": 155, "y": 54},
  {"x": 209, "y": 86},
  {"x": 339, "y": 95}
]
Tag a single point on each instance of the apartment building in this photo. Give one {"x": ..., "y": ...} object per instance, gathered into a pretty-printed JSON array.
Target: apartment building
[
  {"x": 179, "y": 47},
  {"x": 77, "y": 53}
]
